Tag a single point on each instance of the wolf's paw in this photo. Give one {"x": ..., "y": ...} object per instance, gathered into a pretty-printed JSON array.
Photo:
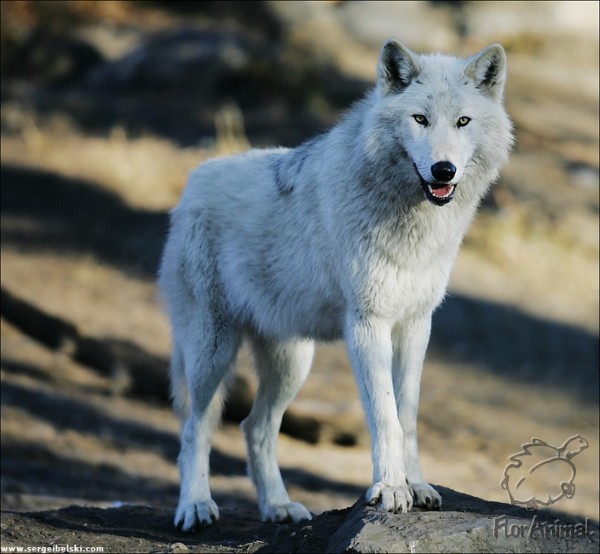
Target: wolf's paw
[
  {"x": 390, "y": 499},
  {"x": 195, "y": 515},
  {"x": 425, "y": 496},
  {"x": 292, "y": 512}
]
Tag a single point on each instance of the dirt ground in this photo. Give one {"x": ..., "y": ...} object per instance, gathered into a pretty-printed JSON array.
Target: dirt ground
[{"x": 514, "y": 350}]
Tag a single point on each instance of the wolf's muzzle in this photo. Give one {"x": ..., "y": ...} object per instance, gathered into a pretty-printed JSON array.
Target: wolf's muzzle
[{"x": 439, "y": 192}]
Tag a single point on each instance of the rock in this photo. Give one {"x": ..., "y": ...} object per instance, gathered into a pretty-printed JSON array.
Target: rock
[
  {"x": 185, "y": 58},
  {"x": 465, "y": 524},
  {"x": 368, "y": 530},
  {"x": 52, "y": 58},
  {"x": 178, "y": 547}
]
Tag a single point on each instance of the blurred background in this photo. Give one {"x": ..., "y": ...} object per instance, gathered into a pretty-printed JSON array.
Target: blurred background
[{"x": 107, "y": 106}]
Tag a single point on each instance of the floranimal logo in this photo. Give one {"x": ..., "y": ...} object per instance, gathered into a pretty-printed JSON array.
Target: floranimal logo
[{"x": 542, "y": 474}]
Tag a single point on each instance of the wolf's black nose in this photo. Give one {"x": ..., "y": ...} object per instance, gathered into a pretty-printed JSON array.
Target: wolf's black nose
[{"x": 443, "y": 171}]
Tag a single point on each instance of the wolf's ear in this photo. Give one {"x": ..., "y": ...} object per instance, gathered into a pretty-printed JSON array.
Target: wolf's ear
[
  {"x": 397, "y": 67},
  {"x": 488, "y": 69}
]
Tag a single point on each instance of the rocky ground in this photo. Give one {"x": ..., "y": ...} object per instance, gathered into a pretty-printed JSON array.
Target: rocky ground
[
  {"x": 467, "y": 524},
  {"x": 105, "y": 109}
]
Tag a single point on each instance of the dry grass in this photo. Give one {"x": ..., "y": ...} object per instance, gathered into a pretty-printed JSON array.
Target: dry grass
[
  {"x": 547, "y": 267},
  {"x": 147, "y": 172}
]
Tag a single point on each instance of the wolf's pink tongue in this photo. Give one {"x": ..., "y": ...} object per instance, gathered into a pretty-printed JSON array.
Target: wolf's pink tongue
[{"x": 442, "y": 192}]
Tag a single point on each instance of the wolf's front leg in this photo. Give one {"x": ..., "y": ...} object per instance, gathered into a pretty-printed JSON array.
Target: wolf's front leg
[
  {"x": 370, "y": 348},
  {"x": 410, "y": 340}
]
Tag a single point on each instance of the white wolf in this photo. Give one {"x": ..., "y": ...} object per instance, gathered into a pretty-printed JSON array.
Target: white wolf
[{"x": 351, "y": 235}]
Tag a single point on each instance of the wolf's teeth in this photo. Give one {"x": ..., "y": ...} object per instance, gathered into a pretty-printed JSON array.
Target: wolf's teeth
[{"x": 448, "y": 193}]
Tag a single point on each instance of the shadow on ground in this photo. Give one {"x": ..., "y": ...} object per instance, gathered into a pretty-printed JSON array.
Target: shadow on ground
[
  {"x": 45, "y": 211},
  {"x": 51, "y": 473}
]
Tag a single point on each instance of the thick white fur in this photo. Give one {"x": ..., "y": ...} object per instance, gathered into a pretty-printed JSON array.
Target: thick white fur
[{"x": 333, "y": 239}]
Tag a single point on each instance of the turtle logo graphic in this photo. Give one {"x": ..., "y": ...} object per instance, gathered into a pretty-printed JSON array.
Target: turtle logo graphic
[{"x": 542, "y": 474}]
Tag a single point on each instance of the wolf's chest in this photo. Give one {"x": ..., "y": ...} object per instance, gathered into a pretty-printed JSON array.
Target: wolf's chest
[{"x": 395, "y": 293}]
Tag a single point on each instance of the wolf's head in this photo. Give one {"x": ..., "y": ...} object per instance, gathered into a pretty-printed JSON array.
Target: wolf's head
[{"x": 446, "y": 115}]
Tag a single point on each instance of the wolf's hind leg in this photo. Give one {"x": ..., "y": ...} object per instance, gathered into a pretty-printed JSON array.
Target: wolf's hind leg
[
  {"x": 207, "y": 360},
  {"x": 282, "y": 369}
]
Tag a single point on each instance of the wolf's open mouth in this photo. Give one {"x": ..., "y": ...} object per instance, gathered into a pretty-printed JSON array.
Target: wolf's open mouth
[{"x": 437, "y": 193}]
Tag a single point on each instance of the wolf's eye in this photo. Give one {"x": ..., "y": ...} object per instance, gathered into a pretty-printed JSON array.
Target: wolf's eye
[
  {"x": 462, "y": 121},
  {"x": 420, "y": 119}
]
